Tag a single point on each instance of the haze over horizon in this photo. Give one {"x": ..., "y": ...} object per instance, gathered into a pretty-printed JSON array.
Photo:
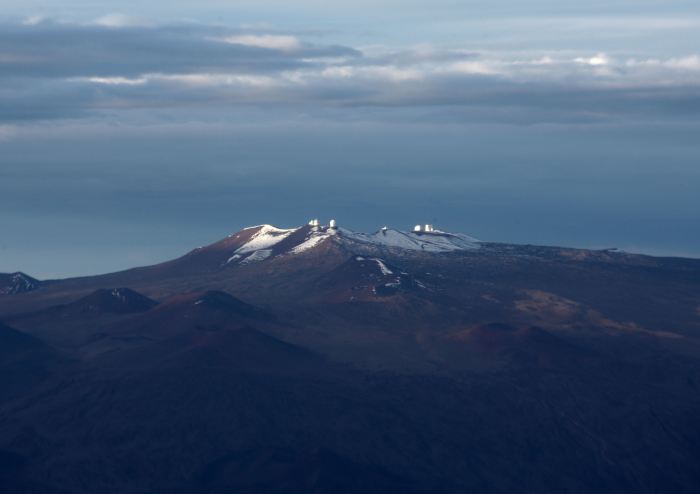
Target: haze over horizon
[{"x": 132, "y": 133}]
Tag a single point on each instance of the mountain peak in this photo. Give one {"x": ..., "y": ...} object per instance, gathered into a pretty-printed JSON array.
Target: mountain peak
[
  {"x": 268, "y": 241},
  {"x": 213, "y": 308},
  {"x": 261, "y": 243},
  {"x": 14, "y": 283},
  {"x": 220, "y": 300},
  {"x": 112, "y": 300}
]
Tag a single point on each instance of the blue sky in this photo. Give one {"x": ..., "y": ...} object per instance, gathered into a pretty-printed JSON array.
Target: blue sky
[{"x": 131, "y": 132}]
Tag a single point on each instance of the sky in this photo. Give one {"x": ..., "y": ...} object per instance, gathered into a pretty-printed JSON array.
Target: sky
[{"x": 132, "y": 132}]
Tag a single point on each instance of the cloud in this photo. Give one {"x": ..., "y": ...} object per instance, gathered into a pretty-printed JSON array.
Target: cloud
[
  {"x": 596, "y": 60},
  {"x": 115, "y": 81},
  {"x": 269, "y": 41},
  {"x": 51, "y": 70},
  {"x": 588, "y": 23},
  {"x": 56, "y": 50},
  {"x": 686, "y": 64},
  {"x": 33, "y": 20},
  {"x": 474, "y": 67},
  {"x": 120, "y": 21}
]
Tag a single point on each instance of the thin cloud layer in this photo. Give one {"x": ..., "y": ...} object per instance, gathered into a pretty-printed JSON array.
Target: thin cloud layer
[{"x": 52, "y": 70}]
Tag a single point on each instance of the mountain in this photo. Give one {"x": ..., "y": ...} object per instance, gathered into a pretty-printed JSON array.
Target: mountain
[
  {"x": 70, "y": 325},
  {"x": 205, "y": 311},
  {"x": 14, "y": 343},
  {"x": 25, "y": 361},
  {"x": 14, "y": 283},
  {"x": 107, "y": 300},
  {"x": 317, "y": 359},
  {"x": 209, "y": 328},
  {"x": 264, "y": 242}
]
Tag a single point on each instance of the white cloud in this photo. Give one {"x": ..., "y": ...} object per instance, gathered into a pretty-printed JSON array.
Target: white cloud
[
  {"x": 116, "y": 81},
  {"x": 213, "y": 80},
  {"x": 380, "y": 72},
  {"x": 685, "y": 63},
  {"x": 33, "y": 20},
  {"x": 269, "y": 41},
  {"x": 598, "y": 60},
  {"x": 689, "y": 63},
  {"x": 200, "y": 79},
  {"x": 120, "y": 21},
  {"x": 599, "y": 70},
  {"x": 472, "y": 67}
]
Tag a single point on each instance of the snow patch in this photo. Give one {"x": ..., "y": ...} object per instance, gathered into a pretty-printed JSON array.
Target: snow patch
[
  {"x": 258, "y": 255},
  {"x": 265, "y": 238},
  {"x": 309, "y": 243},
  {"x": 259, "y": 247},
  {"x": 116, "y": 293},
  {"x": 383, "y": 268}
]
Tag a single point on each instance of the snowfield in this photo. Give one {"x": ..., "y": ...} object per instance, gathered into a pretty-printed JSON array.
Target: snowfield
[
  {"x": 265, "y": 238},
  {"x": 436, "y": 241},
  {"x": 312, "y": 241}
]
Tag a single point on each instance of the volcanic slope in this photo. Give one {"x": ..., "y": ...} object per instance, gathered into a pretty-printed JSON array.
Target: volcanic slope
[{"x": 315, "y": 359}]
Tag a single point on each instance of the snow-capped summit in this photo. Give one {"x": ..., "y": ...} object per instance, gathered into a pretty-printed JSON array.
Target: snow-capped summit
[
  {"x": 261, "y": 243},
  {"x": 269, "y": 241}
]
